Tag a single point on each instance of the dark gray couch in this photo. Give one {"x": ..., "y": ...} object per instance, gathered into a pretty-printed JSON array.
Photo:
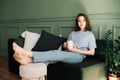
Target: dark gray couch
[{"x": 92, "y": 68}]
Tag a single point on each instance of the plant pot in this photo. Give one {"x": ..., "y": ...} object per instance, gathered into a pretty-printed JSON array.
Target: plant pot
[{"x": 113, "y": 77}]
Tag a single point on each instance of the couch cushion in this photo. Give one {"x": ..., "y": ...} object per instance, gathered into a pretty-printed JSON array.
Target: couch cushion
[
  {"x": 48, "y": 41},
  {"x": 14, "y": 65}
]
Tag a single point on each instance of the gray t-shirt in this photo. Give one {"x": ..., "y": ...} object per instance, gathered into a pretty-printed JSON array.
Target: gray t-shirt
[{"x": 83, "y": 40}]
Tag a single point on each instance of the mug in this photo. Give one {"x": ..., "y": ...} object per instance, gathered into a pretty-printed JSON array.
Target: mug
[{"x": 70, "y": 44}]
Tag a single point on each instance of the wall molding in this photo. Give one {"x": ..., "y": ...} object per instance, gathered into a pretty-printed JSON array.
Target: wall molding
[
  {"x": 96, "y": 16},
  {"x": 11, "y": 32},
  {"x": 113, "y": 15},
  {"x": 39, "y": 28},
  {"x": 65, "y": 30}
]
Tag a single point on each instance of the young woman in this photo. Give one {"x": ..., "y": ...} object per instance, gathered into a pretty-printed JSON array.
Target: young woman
[{"x": 84, "y": 44}]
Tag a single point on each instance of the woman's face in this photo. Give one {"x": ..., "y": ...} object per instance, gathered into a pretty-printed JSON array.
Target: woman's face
[{"x": 81, "y": 22}]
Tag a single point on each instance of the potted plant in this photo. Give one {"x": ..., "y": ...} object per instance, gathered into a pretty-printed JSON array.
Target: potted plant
[{"x": 112, "y": 57}]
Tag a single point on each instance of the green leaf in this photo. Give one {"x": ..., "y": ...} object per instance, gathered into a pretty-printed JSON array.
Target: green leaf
[{"x": 117, "y": 41}]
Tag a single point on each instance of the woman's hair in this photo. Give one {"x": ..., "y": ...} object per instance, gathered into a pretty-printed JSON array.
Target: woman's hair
[{"x": 87, "y": 27}]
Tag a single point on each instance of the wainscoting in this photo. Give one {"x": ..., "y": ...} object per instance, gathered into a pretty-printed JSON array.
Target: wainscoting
[{"x": 57, "y": 26}]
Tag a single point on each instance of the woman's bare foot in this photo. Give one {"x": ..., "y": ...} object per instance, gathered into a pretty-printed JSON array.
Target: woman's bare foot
[
  {"x": 21, "y": 55},
  {"x": 20, "y": 51},
  {"x": 22, "y": 60}
]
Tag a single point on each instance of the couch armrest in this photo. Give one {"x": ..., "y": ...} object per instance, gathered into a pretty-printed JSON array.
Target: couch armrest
[
  {"x": 13, "y": 65},
  {"x": 97, "y": 71}
]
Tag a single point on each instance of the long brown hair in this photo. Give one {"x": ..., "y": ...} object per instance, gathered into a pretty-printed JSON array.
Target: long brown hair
[{"x": 87, "y": 27}]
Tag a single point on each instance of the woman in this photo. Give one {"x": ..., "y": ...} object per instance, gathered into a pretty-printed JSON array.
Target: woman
[{"x": 84, "y": 44}]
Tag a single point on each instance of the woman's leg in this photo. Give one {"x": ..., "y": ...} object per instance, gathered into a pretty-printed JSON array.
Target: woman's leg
[
  {"x": 57, "y": 55},
  {"x": 48, "y": 56}
]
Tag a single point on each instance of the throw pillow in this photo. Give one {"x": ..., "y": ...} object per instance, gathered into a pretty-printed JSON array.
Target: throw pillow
[
  {"x": 30, "y": 39},
  {"x": 48, "y": 41},
  {"x": 20, "y": 41}
]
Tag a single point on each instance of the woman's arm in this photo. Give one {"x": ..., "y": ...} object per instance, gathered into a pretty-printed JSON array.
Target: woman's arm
[
  {"x": 74, "y": 49},
  {"x": 89, "y": 52}
]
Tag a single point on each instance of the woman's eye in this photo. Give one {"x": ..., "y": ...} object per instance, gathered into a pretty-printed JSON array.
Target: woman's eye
[
  {"x": 79, "y": 21},
  {"x": 84, "y": 20}
]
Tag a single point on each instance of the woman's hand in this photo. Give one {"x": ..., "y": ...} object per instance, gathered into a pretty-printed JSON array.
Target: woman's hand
[
  {"x": 74, "y": 49},
  {"x": 65, "y": 45}
]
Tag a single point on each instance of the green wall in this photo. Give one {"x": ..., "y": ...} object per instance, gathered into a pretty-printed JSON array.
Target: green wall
[
  {"x": 27, "y": 9},
  {"x": 20, "y": 9},
  {"x": 56, "y": 17}
]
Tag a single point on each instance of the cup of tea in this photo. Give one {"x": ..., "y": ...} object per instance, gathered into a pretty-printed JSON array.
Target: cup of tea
[{"x": 70, "y": 44}]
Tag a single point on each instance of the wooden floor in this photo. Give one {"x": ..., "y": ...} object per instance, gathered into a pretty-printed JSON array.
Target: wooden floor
[{"x": 4, "y": 72}]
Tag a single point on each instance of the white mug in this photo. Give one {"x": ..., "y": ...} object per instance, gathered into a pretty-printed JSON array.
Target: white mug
[{"x": 70, "y": 44}]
